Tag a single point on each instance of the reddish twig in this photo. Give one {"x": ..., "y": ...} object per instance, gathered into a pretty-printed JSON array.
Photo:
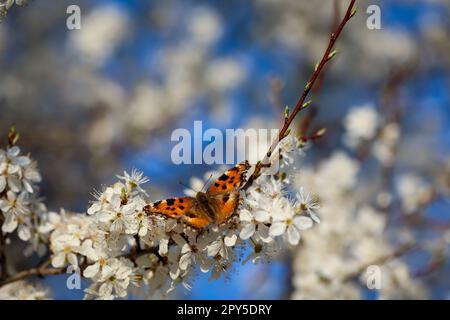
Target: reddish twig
[{"x": 327, "y": 56}]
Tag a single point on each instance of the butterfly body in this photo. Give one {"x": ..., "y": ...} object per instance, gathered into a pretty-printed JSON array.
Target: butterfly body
[
  {"x": 206, "y": 205},
  {"x": 215, "y": 205}
]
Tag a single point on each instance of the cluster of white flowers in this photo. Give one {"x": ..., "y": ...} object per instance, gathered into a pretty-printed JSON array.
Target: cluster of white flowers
[
  {"x": 130, "y": 250},
  {"x": 22, "y": 212},
  {"x": 19, "y": 207},
  {"x": 270, "y": 214},
  {"x": 355, "y": 208},
  {"x": 413, "y": 191},
  {"x": 350, "y": 239},
  {"x": 103, "y": 28},
  {"x": 22, "y": 290},
  {"x": 122, "y": 248},
  {"x": 185, "y": 71}
]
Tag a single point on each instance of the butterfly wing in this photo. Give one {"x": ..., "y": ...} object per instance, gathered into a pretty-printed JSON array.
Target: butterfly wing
[
  {"x": 231, "y": 180},
  {"x": 223, "y": 194},
  {"x": 225, "y": 204},
  {"x": 184, "y": 208},
  {"x": 223, "y": 197}
]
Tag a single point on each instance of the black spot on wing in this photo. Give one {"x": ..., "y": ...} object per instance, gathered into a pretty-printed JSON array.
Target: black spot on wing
[
  {"x": 223, "y": 177},
  {"x": 170, "y": 202},
  {"x": 224, "y": 187},
  {"x": 157, "y": 203},
  {"x": 226, "y": 198}
]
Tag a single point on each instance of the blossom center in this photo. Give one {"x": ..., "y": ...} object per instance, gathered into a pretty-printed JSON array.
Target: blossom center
[
  {"x": 13, "y": 203},
  {"x": 102, "y": 262}
]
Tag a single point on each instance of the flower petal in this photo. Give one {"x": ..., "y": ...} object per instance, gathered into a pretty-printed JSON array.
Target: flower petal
[
  {"x": 92, "y": 270},
  {"x": 293, "y": 236},
  {"x": 24, "y": 232},
  {"x": 262, "y": 215},
  {"x": 245, "y": 215},
  {"x": 303, "y": 223},
  {"x": 72, "y": 258},
  {"x": 10, "y": 223},
  {"x": 185, "y": 261},
  {"x": 277, "y": 228},
  {"x": 230, "y": 239},
  {"x": 58, "y": 260},
  {"x": 14, "y": 184},
  {"x": 2, "y": 183}
]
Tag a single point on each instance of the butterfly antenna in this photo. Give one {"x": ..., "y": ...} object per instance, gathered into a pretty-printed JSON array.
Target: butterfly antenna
[{"x": 206, "y": 182}]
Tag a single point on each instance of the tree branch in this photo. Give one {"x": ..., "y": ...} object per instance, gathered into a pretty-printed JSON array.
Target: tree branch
[
  {"x": 42, "y": 270},
  {"x": 327, "y": 56},
  {"x": 45, "y": 269},
  {"x": 382, "y": 260}
]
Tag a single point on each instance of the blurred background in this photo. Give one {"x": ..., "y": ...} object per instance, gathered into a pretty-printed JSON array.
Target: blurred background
[{"x": 93, "y": 102}]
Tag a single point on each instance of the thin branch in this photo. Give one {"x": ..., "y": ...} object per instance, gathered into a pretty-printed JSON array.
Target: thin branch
[
  {"x": 45, "y": 269},
  {"x": 327, "y": 56},
  {"x": 382, "y": 260},
  {"x": 42, "y": 270}
]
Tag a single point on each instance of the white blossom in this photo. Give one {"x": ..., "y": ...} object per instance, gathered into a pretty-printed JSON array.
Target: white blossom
[
  {"x": 307, "y": 204},
  {"x": 64, "y": 249},
  {"x": 134, "y": 181},
  {"x": 413, "y": 191},
  {"x": 361, "y": 124},
  {"x": 288, "y": 223},
  {"x": 114, "y": 279},
  {"x": 22, "y": 290}
]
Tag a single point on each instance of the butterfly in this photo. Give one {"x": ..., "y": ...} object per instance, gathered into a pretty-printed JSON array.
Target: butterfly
[{"x": 216, "y": 205}]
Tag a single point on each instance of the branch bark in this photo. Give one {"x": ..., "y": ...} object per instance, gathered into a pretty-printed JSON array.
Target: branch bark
[{"x": 41, "y": 270}]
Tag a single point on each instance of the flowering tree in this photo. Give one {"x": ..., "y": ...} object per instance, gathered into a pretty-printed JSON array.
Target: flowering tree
[
  {"x": 367, "y": 223},
  {"x": 120, "y": 246}
]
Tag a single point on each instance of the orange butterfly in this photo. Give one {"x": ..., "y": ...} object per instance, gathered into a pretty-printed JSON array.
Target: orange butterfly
[{"x": 217, "y": 204}]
